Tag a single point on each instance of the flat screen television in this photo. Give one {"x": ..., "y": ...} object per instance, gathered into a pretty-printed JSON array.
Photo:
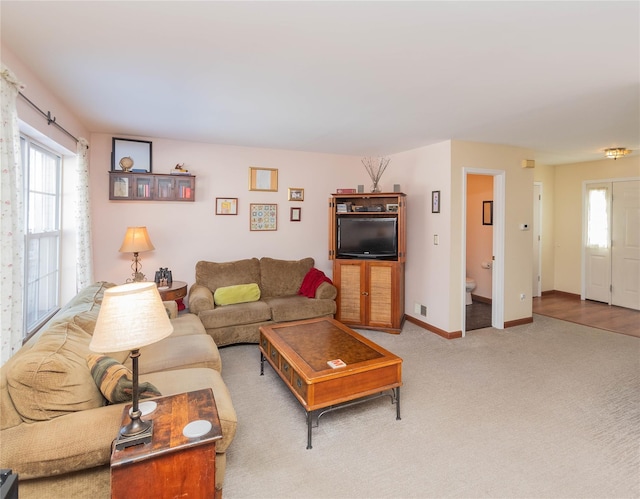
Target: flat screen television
[{"x": 375, "y": 238}]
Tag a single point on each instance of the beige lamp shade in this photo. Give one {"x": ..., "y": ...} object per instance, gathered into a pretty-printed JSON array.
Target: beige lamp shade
[
  {"x": 131, "y": 316},
  {"x": 136, "y": 240}
]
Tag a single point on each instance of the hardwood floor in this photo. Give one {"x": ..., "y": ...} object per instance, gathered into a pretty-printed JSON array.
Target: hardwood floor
[{"x": 571, "y": 308}]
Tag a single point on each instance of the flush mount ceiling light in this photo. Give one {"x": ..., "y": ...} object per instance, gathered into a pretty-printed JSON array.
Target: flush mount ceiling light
[{"x": 616, "y": 152}]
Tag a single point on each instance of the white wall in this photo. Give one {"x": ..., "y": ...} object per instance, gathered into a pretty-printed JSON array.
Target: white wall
[
  {"x": 184, "y": 233},
  {"x": 419, "y": 172}
]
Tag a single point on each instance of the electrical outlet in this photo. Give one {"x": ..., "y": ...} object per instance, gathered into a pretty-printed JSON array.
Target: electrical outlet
[
  {"x": 423, "y": 310},
  {"x": 416, "y": 308},
  {"x": 522, "y": 296}
]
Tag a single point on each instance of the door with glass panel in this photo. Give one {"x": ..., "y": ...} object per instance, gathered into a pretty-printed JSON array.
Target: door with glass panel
[{"x": 612, "y": 246}]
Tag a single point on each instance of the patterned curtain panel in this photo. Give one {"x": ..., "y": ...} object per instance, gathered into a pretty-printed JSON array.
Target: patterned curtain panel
[
  {"x": 11, "y": 219},
  {"x": 84, "y": 267}
]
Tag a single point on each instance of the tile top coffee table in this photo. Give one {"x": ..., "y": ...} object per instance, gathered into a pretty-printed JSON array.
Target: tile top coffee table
[{"x": 300, "y": 351}]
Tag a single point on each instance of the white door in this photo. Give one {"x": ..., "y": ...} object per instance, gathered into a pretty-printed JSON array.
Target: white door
[
  {"x": 625, "y": 248},
  {"x": 536, "y": 289},
  {"x": 597, "y": 244}
]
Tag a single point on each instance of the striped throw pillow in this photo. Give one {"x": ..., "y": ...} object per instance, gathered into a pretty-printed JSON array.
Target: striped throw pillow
[{"x": 115, "y": 381}]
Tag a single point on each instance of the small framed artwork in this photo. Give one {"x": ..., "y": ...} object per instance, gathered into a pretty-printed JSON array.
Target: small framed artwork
[
  {"x": 263, "y": 216},
  {"x": 226, "y": 206},
  {"x": 435, "y": 201},
  {"x": 296, "y": 194},
  {"x": 487, "y": 213},
  {"x": 131, "y": 155},
  {"x": 263, "y": 179},
  {"x": 392, "y": 207},
  {"x": 296, "y": 214}
]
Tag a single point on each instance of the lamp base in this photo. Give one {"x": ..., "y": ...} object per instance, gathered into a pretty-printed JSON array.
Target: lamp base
[{"x": 144, "y": 437}]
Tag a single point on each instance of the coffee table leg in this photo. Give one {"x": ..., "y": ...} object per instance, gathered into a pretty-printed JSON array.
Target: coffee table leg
[
  {"x": 309, "y": 421},
  {"x": 398, "y": 403},
  {"x": 261, "y": 364}
]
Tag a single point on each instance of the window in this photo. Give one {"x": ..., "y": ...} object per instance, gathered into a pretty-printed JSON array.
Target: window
[
  {"x": 42, "y": 232},
  {"x": 598, "y": 218}
]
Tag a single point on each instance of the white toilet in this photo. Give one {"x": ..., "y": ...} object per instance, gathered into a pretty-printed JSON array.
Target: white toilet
[{"x": 471, "y": 285}]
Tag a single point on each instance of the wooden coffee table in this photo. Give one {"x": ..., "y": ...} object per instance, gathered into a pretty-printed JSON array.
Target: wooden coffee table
[{"x": 299, "y": 352}]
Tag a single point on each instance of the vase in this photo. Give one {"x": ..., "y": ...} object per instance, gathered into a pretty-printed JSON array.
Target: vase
[{"x": 375, "y": 187}]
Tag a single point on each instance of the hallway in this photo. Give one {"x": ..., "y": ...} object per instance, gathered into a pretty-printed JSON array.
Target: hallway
[{"x": 569, "y": 307}]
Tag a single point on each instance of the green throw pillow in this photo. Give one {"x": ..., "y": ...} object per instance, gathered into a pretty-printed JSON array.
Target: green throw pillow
[
  {"x": 240, "y": 293},
  {"x": 116, "y": 381}
]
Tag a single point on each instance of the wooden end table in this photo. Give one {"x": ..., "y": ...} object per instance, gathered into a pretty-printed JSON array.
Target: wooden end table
[
  {"x": 172, "y": 465},
  {"x": 176, "y": 291}
]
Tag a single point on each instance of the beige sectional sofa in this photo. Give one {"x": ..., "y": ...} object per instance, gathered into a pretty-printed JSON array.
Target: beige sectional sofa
[
  {"x": 56, "y": 428},
  {"x": 278, "y": 281}
]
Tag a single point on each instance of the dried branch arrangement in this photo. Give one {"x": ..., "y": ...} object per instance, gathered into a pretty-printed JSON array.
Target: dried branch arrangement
[{"x": 375, "y": 168}]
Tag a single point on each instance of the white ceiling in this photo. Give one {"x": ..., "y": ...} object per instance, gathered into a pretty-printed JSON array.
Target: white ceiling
[{"x": 361, "y": 78}]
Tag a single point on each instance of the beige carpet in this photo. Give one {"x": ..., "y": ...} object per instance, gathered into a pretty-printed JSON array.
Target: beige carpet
[{"x": 548, "y": 409}]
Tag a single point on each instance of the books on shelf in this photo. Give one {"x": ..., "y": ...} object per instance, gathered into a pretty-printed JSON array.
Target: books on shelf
[{"x": 180, "y": 172}]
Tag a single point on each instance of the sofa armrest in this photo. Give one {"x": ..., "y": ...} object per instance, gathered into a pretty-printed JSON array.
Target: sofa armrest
[
  {"x": 172, "y": 308},
  {"x": 327, "y": 291},
  {"x": 73, "y": 442},
  {"x": 200, "y": 299}
]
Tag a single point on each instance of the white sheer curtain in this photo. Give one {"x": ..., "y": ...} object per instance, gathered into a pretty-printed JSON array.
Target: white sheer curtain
[
  {"x": 11, "y": 219},
  {"x": 84, "y": 251}
]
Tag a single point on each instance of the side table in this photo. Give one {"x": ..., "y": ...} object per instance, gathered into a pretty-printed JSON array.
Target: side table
[
  {"x": 176, "y": 292},
  {"x": 172, "y": 465}
]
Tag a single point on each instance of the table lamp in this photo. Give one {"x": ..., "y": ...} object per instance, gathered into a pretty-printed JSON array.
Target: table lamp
[
  {"x": 136, "y": 240},
  {"x": 131, "y": 316}
]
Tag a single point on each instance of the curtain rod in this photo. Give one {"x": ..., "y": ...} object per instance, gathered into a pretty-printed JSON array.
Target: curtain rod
[{"x": 50, "y": 120}]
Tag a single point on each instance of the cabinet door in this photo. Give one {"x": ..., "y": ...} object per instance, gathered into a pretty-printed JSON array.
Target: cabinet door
[
  {"x": 349, "y": 277},
  {"x": 142, "y": 187},
  {"x": 380, "y": 278},
  {"x": 120, "y": 186},
  {"x": 164, "y": 188},
  {"x": 185, "y": 189}
]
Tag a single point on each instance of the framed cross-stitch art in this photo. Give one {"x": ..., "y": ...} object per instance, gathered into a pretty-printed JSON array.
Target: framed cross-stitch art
[
  {"x": 263, "y": 216},
  {"x": 226, "y": 206}
]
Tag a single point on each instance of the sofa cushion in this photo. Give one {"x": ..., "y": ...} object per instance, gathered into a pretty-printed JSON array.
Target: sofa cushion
[
  {"x": 282, "y": 277},
  {"x": 214, "y": 275},
  {"x": 296, "y": 308},
  {"x": 53, "y": 379},
  {"x": 116, "y": 381},
  {"x": 239, "y": 293},
  {"x": 233, "y": 315}
]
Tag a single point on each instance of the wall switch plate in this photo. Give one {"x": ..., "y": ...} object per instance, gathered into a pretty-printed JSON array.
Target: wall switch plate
[{"x": 436, "y": 240}]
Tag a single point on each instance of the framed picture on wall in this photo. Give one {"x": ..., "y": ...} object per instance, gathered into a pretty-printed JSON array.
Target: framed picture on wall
[
  {"x": 131, "y": 155},
  {"x": 435, "y": 201},
  {"x": 296, "y": 194},
  {"x": 226, "y": 206},
  {"x": 263, "y": 216},
  {"x": 296, "y": 214},
  {"x": 263, "y": 179},
  {"x": 487, "y": 213}
]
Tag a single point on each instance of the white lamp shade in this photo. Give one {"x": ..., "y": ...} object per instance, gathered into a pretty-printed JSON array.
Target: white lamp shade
[
  {"x": 131, "y": 316},
  {"x": 136, "y": 240}
]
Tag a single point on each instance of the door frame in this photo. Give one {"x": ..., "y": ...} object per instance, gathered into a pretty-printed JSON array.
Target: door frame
[
  {"x": 497, "y": 264},
  {"x": 537, "y": 207}
]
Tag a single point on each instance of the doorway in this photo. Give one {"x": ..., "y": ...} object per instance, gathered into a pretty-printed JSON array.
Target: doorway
[
  {"x": 488, "y": 265},
  {"x": 612, "y": 243}
]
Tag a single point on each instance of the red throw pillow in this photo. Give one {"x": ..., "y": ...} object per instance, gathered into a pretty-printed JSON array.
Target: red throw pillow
[{"x": 311, "y": 281}]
